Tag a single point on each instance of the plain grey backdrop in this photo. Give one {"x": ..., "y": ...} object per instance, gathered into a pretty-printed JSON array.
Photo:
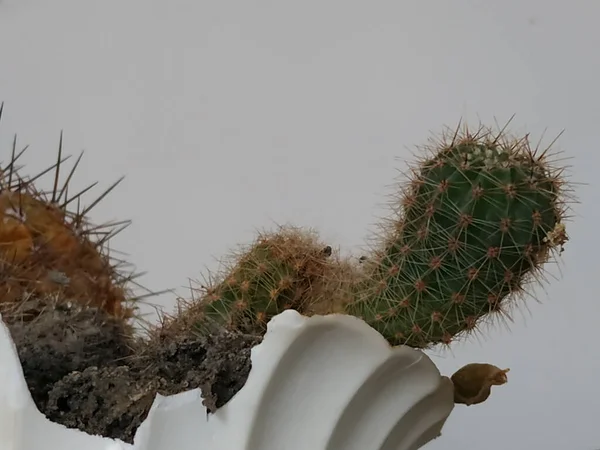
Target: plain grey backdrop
[{"x": 230, "y": 116}]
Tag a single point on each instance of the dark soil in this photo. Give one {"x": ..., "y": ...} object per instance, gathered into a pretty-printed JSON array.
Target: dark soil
[
  {"x": 55, "y": 339},
  {"x": 113, "y": 401},
  {"x": 82, "y": 372}
]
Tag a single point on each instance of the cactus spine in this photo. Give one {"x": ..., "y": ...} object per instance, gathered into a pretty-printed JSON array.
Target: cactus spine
[{"x": 476, "y": 221}]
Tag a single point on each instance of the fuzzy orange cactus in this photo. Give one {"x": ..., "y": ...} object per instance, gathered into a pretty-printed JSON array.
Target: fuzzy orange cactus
[{"x": 45, "y": 248}]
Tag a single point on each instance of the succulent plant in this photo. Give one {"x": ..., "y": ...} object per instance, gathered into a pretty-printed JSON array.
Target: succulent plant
[
  {"x": 66, "y": 301},
  {"x": 478, "y": 217},
  {"x": 286, "y": 269},
  {"x": 46, "y": 248}
]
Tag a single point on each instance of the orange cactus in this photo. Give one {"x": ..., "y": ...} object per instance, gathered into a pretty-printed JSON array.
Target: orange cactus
[{"x": 46, "y": 249}]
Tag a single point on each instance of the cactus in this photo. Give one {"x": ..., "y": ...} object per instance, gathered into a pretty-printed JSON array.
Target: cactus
[
  {"x": 48, "y": 250},
  {"x": 286, "y": 269},
  {"x": 475, "y": 223},
  {"x": 65, "y": 300}
]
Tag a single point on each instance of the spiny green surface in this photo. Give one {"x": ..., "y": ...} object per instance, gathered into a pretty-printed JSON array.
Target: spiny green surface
[
  {"x": 478, "y": 217},
  {"x": 289, "y": 269}
]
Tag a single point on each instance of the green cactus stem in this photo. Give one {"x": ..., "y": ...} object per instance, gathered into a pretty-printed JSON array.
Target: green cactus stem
[
  {"x": 476, "y": 222},
  {"x": 286, "y": 269}
]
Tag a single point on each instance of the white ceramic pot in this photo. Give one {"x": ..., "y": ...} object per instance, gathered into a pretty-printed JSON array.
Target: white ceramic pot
[{"x": 319, "y": 383}]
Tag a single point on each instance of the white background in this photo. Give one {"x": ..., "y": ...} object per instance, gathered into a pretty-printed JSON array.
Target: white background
[{"x": 230, "y": 116}]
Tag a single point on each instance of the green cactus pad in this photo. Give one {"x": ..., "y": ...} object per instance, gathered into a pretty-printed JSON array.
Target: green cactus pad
[{"x": 478, "y": 218}]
